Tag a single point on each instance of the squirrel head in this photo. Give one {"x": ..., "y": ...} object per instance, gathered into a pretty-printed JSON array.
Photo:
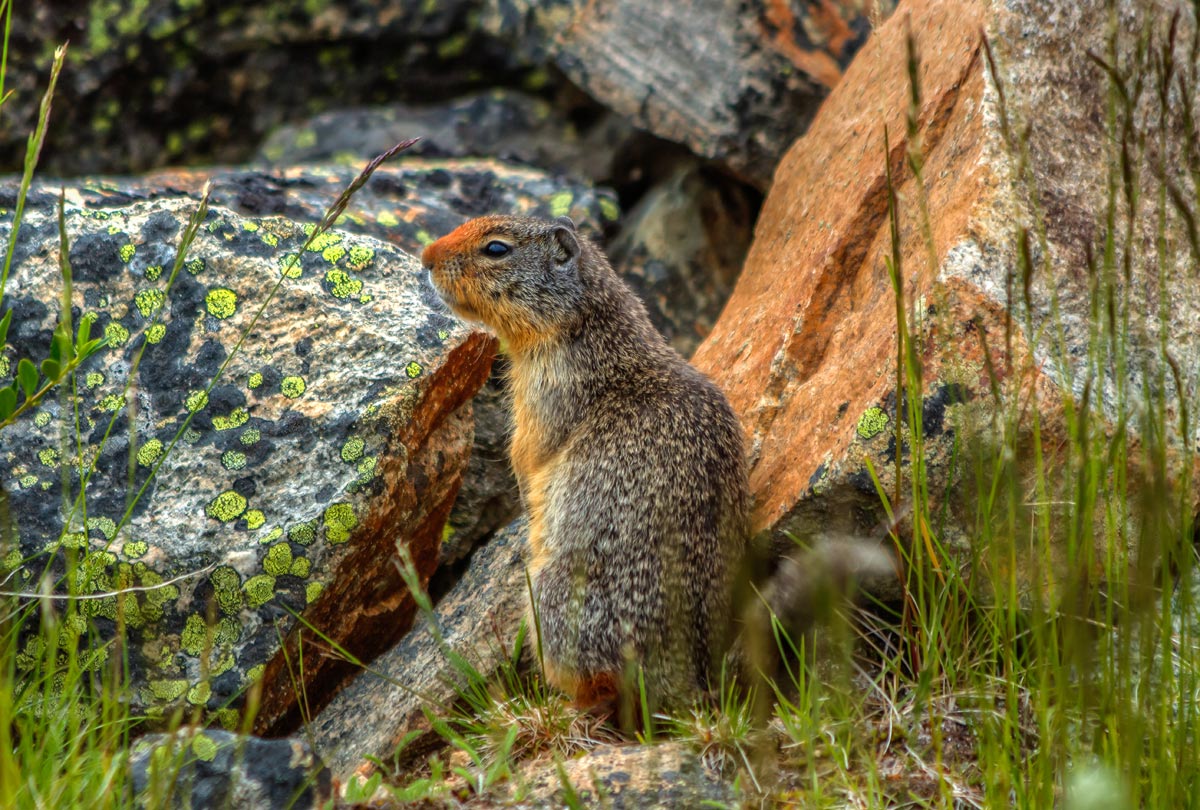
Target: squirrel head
[{"x": 518, "y": 275}]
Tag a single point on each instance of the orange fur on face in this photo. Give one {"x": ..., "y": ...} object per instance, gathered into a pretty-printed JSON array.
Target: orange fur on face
[{"x": 455, "y": 262}]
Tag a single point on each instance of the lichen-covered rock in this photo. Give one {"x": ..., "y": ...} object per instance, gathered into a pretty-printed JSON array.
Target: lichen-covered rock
[
  {"x": 338, "y": 430},
  {"x": 628, "y": 777},
  {"x": 806, "y": 347},
  {"x": 589, "y": 144},
  {"x": 408, "y": 203},
  {"x": 197, "y": 769},
  {"x": 477, "y": 619},
  {"x": 681, "y": 249},
  {"x": 159, "y": 82},
  {"x": 733, "y": 81}
]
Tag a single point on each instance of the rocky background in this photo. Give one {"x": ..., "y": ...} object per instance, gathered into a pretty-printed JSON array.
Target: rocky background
[{"x": 730, "y": 156}]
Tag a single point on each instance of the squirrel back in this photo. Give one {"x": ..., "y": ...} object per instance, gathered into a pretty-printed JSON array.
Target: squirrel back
[{"x": 630, "y": 462}]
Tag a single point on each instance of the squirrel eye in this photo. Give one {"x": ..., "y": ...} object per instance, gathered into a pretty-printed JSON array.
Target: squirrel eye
[{"x": 495, "y": 248}]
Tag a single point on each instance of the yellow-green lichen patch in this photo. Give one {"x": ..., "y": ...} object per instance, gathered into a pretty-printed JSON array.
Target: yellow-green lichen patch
[
  {"x": 237, "y": 417},
  {"x": 153, "y": 272},
  {"x": 226, "y": 585},
  {"x": 126, "y": 252},
  {"x": 366, "y": 469},
  {"x": 111, "y": 403},
  {"x": 115, "y": 334},
  {"x": 195, "y": 401},
  {"x": 333, "y": 253},
  {"x": 228, "y": 719},
  {"x": 254, "y": 519},
  {"x": 303, "y": 533},
  {"x": 42, "y": 419},
  {"x": 255, "y": 673},
  {"x": 27, "y": 481},
  {"x": 149, "y": 452},
  {"x": 198, "y": 695},
  {"x": 339, "y": 521},
  {"x": 289, "y": 266},
  {"x": 413, "y": 369},
  {"x": 273, "y": 535},
  {"x": 233, "y": 460},
  {"x": 106, "y": 527},
  {"x": 256, "y": 379},
  {"x": 292, "y": 386},
  {"x": 447, "y": 532},
  {"x": 259, "y": 590},
  {"x": 269, "y": 239},
  {"x": 250, "y": 436},
  {"x": 49, "y": 457},
  {"x": 323, "y": 241},
  {"x": 168, "y": 690},
  {"x": 194, "y": 637},
  {"x": 278, "y": 560},
  {"x": 227, "y": 506},
  {"x": 352, "y": 450},
  {"x": 149, "y": 301},
  {"x": 342, "y": 284},
  {"x": 203, "y": 746},
  {"x": 360, "y": 258},
  {"x": 12, "y": 559},
  {"x": 424, "y": 237},
  {"x": 609, "y": 209},
  {"x": 387, "y": 219},
  {"x": 191, "y": 435},
  {"x": 195, "y": 266},
  {"x": 221, "y": 302},
  {"x": 560, "y": 203},
  {"x": 135, "y": 548},
  {"x": 300, "y": 567},
  {"x": 872, "y": 422},
  {"x": 156, "y": 333},
  {"x": 93, "y": 379},
  {"x": 311, "y": 591},
  {"x": 250, "y": 226}
]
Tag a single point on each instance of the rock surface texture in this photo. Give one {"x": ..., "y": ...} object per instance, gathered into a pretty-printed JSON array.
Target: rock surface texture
[
  {"x": 219, "y": 769},
  {"x": 337, "y": 431},
  {"x": 806, "y": 347},
  {"x": 477, "y": 619},
  {"x": 733, "y": 81}
]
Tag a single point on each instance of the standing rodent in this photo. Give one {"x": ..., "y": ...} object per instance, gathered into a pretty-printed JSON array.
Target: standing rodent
[{"x": 630, "y": 462}]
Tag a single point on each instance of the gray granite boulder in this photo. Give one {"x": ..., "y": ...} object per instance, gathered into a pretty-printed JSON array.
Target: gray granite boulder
[{"x": 219, "y": 509}]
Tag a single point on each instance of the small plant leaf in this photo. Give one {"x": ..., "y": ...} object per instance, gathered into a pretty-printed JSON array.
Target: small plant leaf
[
  {"x": 88, "y": 349},
  {"x": 85, "y": 332},
  {"x": 28, "y": 375},
  {"x": 8, "y": 401},
  {"x": 50, "y": 369},
  {"x": 4, "y": 322}
]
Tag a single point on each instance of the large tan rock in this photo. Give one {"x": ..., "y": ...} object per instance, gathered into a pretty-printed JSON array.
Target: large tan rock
[{"x": 806, "y": 347}]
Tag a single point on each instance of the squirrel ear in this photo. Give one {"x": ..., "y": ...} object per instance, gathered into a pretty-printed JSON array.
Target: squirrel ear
[
  {"x": 566, "y": 222},
  {"x": 568, "y": 243}
]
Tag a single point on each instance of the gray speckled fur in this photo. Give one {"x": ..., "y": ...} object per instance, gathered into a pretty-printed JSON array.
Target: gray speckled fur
[{"x": 644, "y": 506}]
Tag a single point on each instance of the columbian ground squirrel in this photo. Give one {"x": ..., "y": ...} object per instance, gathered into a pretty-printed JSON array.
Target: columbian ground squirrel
[{"x": 630, "y": 462}]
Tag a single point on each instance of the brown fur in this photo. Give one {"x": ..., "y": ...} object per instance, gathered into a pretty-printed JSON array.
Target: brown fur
[{"x": 630, "y": 462}]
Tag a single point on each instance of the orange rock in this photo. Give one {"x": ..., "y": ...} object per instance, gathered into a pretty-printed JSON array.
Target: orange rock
[{"x": 806, "y": 347}]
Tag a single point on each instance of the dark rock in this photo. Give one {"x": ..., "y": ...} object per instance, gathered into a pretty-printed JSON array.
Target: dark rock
[
  {"x": 198, "y": 769},
  {"x": 681, "y": 249},
  {"x": 166, "y": 82}
]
